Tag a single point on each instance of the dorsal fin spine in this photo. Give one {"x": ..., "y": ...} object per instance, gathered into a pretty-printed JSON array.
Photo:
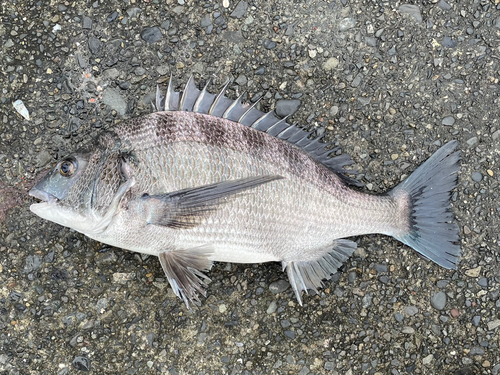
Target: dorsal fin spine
[
  {"x": 158, "y": 99},
  {"x": 240, "y": 120},
  {"x": 169, "y": 96},
  {"x": 237, "y": 101},
  {"x": 185, "y": 93},
  {"x": 203, "y": 92},
  {"x": 218, "y": 97},
  {"x": 275, "y": 129}
]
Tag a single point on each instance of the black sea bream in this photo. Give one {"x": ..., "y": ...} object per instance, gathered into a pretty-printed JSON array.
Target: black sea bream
[{"x": 210, "y": 179}]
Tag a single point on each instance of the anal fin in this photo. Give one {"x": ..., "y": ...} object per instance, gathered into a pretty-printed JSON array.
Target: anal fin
[
  {"x": 304, "y": 275},
  {"x": 184, "y": 270}
]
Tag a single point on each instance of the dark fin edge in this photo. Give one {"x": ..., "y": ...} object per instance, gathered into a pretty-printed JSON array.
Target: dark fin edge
[
  {"x": 308, "y": 275},
  {"x": 193, "y": 100},
  {"x": 184, "y": 271},
  {"x": 428, "y": 191}
]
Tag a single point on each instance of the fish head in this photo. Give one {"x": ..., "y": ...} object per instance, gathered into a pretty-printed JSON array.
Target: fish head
[
  {"x": 56, "y": 191},
  {"x": 78, "y": 190}
]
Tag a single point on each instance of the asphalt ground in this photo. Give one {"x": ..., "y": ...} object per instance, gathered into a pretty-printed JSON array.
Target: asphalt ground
[{"x": 389, "y": 82}]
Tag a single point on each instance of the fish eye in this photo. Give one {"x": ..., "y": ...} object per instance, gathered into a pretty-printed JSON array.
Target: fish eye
[{"x": 67, "y": 168}]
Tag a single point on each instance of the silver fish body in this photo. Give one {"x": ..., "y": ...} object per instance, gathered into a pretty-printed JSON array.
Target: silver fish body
[{"x": 193, "y": 188}]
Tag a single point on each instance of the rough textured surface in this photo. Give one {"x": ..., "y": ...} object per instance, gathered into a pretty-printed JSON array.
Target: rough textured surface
[{"x": 69, "y": 303}]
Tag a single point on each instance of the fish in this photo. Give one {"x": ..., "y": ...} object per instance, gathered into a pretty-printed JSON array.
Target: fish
[{"x": 206, "y": 179}]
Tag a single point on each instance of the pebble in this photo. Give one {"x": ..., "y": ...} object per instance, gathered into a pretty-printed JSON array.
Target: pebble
[
  {"x": 33, "y": 262},
  {"x": 124, "y": 85},
  {"x": 443, "y": 5},
  {"x": 273, "y": 306},
  {"x": 490, "y": 172},
  {"x": 476, "y": 320},
  {"x": 441, "y": 284},
  {"x": 206, "y": 21},
  {"x": 331, "y": 63},
  {"x": 279, "y": 286},
  {"x": 357, "y": 80},
  {"x": 112, "y": 98},
  {"x": 260, "y": 70},
  {"x": 438, "y": 300},
  {"x": 241, "y": 80},
  {"x": 346, "y": 24},
  {"x": 101, "y": 305},
  {"x": 427, "y": 359},
  {"x": 87, "y": 23},
  {"x": 410, "y": 310},
  {"x": 449, "y": 42},
  {"x": 492, "y": 324},
  {"x": 286, "y": 107},
  {"x": 380, "y": 268},
  {"x": 351, "y": 277},
  {"x": 81, "y": 363},
  {"x": 151, "y": 34},
  {"x": 21, "y": 109},
  {"x": 139, "y": 71},
  {"x": 240, "y": 10},
  {"x": 133, "y": 12},
  {"x": 81, "y": 61},
  {"x": 123, "y": 278},
  {"x": 94, "y": 45},
  {"x": 113, "y": 16},
  {"x": 360, "y": 251},
  {"x": 43, "y": 158},
  {"x": 412, "y": 10},
  {"x": 269, "y": 44},
  {"x": 496, "y": 135},
  {"x": 476, "y": 176},
  {"x": 408, "y": 330},
  {"x": 367, "y": 300},
  {"x": 165, "y": 25},
  {"x": 472, "y": 141},
  {"x": 448, "y": 121},
  {"x": 473, "y": 272},
  {"x": 454, "y": 313}
]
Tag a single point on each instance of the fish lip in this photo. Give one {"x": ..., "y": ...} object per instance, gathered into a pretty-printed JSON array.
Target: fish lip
[{"x": 43, "y": 196}]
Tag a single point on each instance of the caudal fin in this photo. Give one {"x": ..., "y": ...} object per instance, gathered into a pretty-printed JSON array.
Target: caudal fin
[{"x": 428, "y": 191}]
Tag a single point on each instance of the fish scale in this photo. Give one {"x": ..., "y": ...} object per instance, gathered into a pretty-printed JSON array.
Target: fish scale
[{"x": 193, "y": 186}]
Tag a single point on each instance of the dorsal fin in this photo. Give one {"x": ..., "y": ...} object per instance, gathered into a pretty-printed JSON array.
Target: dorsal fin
[{"x": 191, "y": 99}]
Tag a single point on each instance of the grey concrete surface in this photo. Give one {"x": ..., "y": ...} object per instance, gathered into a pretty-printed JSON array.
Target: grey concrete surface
[{"x": 390, "y": 81}]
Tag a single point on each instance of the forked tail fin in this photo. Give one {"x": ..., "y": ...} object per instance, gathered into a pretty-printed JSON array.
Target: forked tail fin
[{"x": 428, "y": 190}]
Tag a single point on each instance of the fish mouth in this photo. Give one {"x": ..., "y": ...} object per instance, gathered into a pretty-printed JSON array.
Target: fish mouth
[{"x": 43, "y": 196}]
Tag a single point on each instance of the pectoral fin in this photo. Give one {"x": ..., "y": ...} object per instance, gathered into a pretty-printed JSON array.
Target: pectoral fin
[
  {"x": 189, "y": 207},
  {"x": 304, "y": 275},
  {"x": 184, "y": 271}
]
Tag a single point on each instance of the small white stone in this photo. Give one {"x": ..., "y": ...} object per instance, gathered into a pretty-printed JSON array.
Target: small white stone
[{"x": 427, "y": 360}]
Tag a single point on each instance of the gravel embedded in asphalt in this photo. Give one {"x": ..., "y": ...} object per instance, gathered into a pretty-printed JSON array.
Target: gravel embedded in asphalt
[{"x": 387, "y": 83}]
